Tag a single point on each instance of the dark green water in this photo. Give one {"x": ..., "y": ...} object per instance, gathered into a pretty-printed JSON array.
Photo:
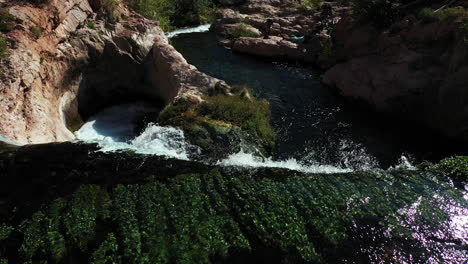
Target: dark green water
[{"x": 314, "y": 125}]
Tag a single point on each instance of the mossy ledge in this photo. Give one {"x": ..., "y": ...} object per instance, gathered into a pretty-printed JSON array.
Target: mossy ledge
[
  {"x": 92, "y": 207},
  {"x": 222, "y": 124}
]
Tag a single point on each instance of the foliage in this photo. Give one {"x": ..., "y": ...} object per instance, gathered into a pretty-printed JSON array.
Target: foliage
[
  {"x": 176, "y": 13},
  {"x": 242, "y": 31},
  {"x": 91, "y": 24},
  {"x": 195, "y": 218},
  {"x": 252, "y": 116},
  {"x": 5, "y": 231},
  {"x": 110, "y": 8},
  {"x": 7, "y": 21},
  {"x": 36, "y": 31},
  {"x": 3, "y": 47},
  {"x": 107, "y": 252},
  {"x": 427, "y": 15},
  {"x": 307, "y": 6},
  {"x": 379, "y": 13},
  {"x": 456, "y": 167}
]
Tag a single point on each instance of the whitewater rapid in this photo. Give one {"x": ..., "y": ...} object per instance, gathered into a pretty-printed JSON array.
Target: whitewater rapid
[
  {"x": 116, "y": 129},
  {"x": 202, "y": 28}
]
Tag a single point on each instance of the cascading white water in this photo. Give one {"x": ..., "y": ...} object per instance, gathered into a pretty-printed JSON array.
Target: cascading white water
[
  {"x": 115, "y": 129},
  {"x": 248, "y": 160},
  {"x": 202, "y": 28}
]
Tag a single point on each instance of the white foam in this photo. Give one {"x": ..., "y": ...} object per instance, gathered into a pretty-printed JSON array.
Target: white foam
[
  {"x": 202, "y": 28},
  {"x": 403, "y": 164},
  {"x": 114, "y": 129},
  {"x": 243, "y": 159}
]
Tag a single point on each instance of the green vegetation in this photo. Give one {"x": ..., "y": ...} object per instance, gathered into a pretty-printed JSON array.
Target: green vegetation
[
  {"x": 3, "y": 47},
  {"x": 36, "y": 31},
  {"x": 5, "y": 231},
  {"x": 202, "y": 218},
  {"x": 176, "y": 13},
  {"x": 252, "y": 116},
  {"x": 242, "y": 30},
  {"x": 427, "y": 15},
  {"x": 307, "y": 6},
  {"x": 110, "y": 8},
  {"x": 91, "y": 24},
  {"x": 3, "y": 51},
  {"x": 456, "y": 167},
  {"x": 7, "y": 21}
]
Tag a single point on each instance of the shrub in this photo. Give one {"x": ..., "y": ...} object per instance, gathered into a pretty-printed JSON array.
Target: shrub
[
  {"x": 6, "y": 21},
  {"x": 308, "y": 5},
  {"x": 242, "y": 30},
  {"x": 3, "y": 47},
  {"x": 36, "y": 31},
  {"x": 90, "y": 24},
  {"x": 252, "y": 116},
  {"x": 110, "y": 9},
  {"x": 379, "y": 13},
  {"x": 427, "y": 15},
  {"x": 176, "y": 13}
]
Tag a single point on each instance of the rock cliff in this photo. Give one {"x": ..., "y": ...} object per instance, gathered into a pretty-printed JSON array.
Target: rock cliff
[
  {"x": 67, "y": 60},
  {"x": 415, "y": 70}
]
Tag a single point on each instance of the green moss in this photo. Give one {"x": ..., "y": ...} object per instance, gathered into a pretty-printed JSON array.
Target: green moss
[
  {"x": 5, "y": 231},
  {"x": 252, "y": 116},
  {"x": 196, "y": 218},
  {"x": 455, "y": 167}
]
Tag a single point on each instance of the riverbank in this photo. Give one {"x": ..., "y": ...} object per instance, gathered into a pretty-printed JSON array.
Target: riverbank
[{"x": 412, "y": 69}]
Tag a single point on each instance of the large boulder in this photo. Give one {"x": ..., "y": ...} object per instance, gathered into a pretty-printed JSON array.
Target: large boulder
[
  {"x": 417, "y": 71},
  {"x": 273, "y": 47}
]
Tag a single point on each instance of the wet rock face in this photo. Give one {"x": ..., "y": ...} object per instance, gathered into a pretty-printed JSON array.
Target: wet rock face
[{"x": 416, "y": 72}]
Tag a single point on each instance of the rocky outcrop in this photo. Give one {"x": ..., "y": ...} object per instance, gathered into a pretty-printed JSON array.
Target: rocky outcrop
[
  {"x": 289, "y": 21},
  {"x": 415, "y": 71},
  {"x": 67, "y": 61},
  {"x": 175, "y": 79}
]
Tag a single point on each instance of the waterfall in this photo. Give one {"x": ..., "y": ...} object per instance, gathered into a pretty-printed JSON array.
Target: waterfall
[{"x": 201, "y": 28}]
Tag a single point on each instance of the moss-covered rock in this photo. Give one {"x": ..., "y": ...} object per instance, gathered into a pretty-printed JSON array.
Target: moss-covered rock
[
  {"x": 93, "y": 207},
  {"x": 222, "y": 124},
  {"x": 456, "y": 167}
]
